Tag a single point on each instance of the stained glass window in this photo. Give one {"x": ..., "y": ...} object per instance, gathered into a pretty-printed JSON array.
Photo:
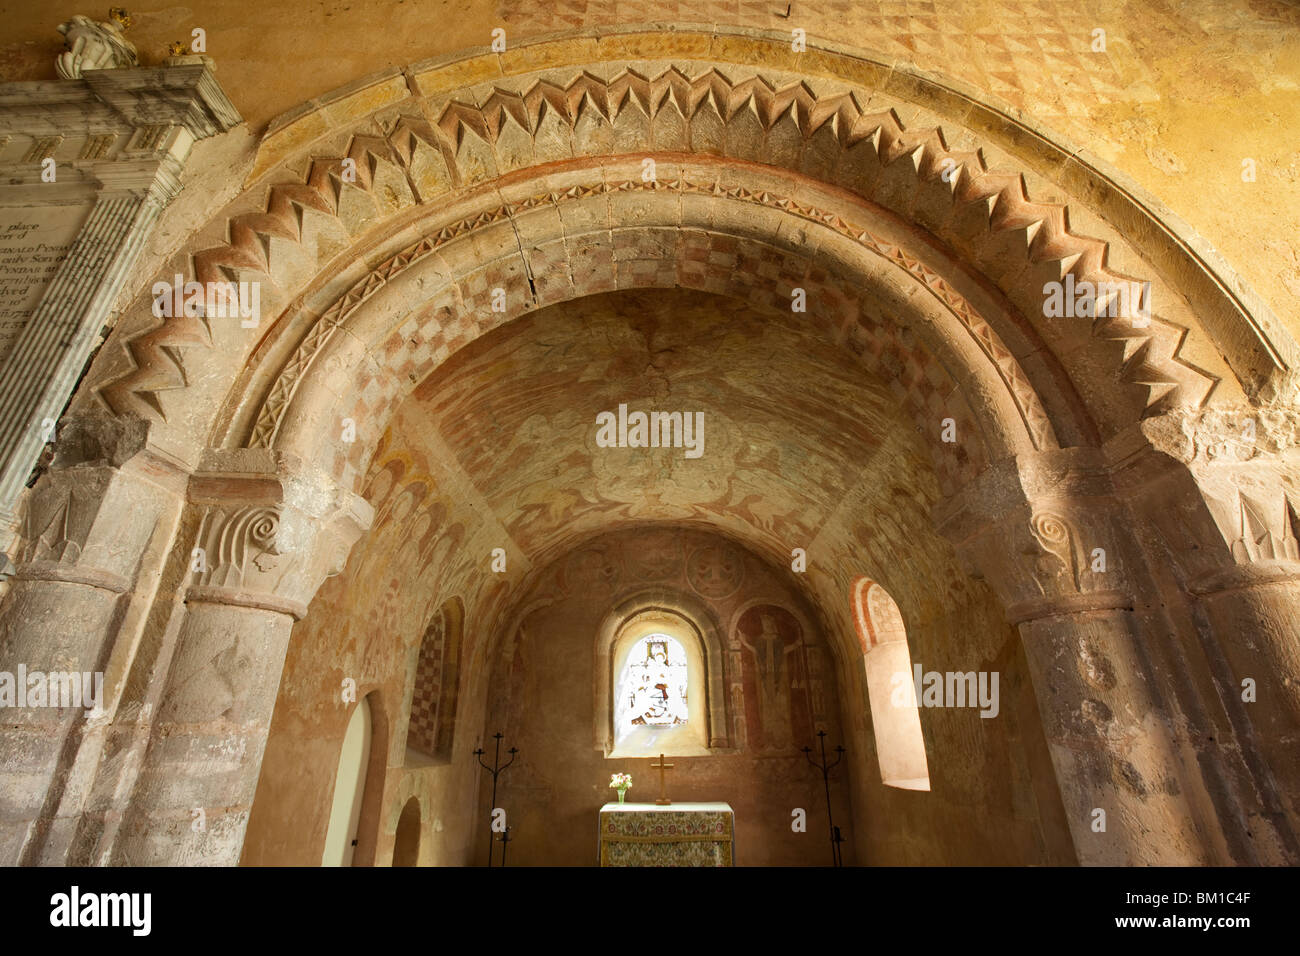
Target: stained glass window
[{"x": 652, "y": 690}]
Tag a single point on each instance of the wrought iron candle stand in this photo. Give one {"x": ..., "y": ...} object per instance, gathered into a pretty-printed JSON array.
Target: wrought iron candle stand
[
  {"x": 496, "y": 770},
  {"x": 825, "y": 768},
  {"x": 505, "y": 842}
]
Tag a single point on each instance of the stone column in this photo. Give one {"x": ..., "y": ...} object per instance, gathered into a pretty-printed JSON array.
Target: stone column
[
  {"x": 1238, "y": 556},
  {"x": 265, "y": 549},
  {"x": 1255, "y": 614},
  {"x": 88, "y": 529},
  {"x": 1051, "y": 538}
]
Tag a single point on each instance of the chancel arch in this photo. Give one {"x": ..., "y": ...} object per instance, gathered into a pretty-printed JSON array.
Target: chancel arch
[
  {"x": 354, "y": 460},
  {"x": 830, "y": 140}
]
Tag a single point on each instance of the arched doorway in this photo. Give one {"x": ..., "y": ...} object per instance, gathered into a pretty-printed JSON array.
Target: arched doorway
[{"x": 349, "y": 789}]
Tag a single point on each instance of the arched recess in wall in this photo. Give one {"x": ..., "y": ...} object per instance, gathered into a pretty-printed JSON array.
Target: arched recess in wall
[
  {"x": 358, "y": 784},
  {"x": 406, "y": 847},
  {"x": 887, "y": 662},
  {"x": 789, "y": 668},
  {"x": 629, "y": 629},
  {"x": 436, "y": 691}
]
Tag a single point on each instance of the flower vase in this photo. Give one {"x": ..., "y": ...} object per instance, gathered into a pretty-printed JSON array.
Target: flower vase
[{"x": 621, "y": 791}]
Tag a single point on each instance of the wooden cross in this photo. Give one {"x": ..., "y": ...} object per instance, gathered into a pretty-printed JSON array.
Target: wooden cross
[{"x": 663, "y": 796}]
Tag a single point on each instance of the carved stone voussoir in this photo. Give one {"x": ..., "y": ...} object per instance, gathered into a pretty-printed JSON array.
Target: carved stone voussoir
[{"x": 537, "y": 121}]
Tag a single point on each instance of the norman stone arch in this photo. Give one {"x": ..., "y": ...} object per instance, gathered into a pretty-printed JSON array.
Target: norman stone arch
[{"x": 921, "y": 224}]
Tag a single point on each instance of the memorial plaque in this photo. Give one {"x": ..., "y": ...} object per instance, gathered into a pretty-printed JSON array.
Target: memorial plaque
[{"x": 34, "y": 241}]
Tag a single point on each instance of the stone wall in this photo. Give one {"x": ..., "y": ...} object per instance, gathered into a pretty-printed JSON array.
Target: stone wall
[
  {"x": 995, "y": 799},
  {"x": 543, "y": 696}
]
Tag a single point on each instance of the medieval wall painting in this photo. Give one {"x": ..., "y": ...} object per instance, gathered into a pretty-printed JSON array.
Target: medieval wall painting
[{"x": 783, "y": 680}]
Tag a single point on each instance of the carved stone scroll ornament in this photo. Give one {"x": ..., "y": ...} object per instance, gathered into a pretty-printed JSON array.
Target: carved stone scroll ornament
[
  {"x": 1060, "y": 542},
  {"x": 272, "y": 557},
  {"x": 95, "y": 46},
  {"x": 240, "y": 543}
]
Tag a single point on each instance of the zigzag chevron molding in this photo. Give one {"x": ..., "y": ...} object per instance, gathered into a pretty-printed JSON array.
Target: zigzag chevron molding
[{"x": 985, "y": 216}]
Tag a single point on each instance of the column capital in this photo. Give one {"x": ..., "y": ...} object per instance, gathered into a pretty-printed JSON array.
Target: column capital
[
  {"x": 1223, "y": 488},
  {"x": 271, "y": 530},
  {"x": 1044, "y": 529},
  {"x": 91, "y": 516},
  {"x": 1014, "y": 487},
  {"x": 1254, "y": 534}
]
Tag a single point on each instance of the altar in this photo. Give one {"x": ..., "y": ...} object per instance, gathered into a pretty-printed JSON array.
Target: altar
[{"x": 679, "y": 834}]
